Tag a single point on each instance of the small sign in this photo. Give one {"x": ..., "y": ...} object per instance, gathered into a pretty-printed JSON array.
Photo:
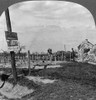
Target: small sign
[
  {"x": 13, "y": 48},
  {"x": 12, "y": 41},
  {"x": 11, "y": 35}
]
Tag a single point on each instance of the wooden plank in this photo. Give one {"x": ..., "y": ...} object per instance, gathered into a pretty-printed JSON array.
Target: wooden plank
[
  {"x": 29, "y": 62},
  {"x": 12, "y": 53}
]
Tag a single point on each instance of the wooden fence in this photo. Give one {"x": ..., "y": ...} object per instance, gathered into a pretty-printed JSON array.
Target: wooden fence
[{"x": 23, "y": 57}]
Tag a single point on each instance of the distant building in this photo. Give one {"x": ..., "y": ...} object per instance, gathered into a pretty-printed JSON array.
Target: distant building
[
  {"x": 93, "y": 50},
  {"x": 92, "y": 55},
  {"x": 83, "y": 49}
]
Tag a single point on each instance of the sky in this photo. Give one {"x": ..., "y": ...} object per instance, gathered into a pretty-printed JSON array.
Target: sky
[{"x": 49, "y": 24}]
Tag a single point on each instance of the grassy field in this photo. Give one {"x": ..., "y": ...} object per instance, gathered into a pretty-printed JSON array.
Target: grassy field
[{"x": 74, "y": 81}]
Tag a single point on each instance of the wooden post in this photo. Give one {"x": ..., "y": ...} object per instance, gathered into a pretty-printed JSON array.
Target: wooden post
[
  {"x": 70, "y": 56},
  {"x": 29, "y": 62},
  {"x": 12, "y": 53},
  {"x": 55, "y": 60},
  {"x": 8, "y": 22},
  {"x": 13, "y": 66},
  {"x": 62, "y": 56}
]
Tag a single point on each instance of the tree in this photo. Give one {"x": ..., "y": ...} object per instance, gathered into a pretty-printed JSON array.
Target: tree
[
  {"x": 21, "y": 47},
  {"x": 50, "y": 53}
]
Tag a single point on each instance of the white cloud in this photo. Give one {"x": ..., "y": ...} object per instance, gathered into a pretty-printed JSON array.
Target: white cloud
[{"x": 35, "y": 20}]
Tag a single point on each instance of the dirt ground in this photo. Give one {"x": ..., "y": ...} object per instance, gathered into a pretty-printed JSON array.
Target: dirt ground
[{"x": 71, "y": 81}]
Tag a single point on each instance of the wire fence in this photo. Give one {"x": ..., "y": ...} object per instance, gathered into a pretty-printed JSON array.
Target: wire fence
[{"x": 22, "y": 58}]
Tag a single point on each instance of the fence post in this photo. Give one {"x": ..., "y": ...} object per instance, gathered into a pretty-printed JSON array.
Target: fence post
[
  {"x": 12, "y": 53},
  {"x": 29, "y": 62},
  {"x": 13, "y": 65}
]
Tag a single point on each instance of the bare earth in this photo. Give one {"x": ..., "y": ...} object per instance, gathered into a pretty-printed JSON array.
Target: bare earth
[{"x": 70, "y": 81}]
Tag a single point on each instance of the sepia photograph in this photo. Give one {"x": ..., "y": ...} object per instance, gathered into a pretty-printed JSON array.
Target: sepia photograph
[{"x": 48, "y": 50}]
